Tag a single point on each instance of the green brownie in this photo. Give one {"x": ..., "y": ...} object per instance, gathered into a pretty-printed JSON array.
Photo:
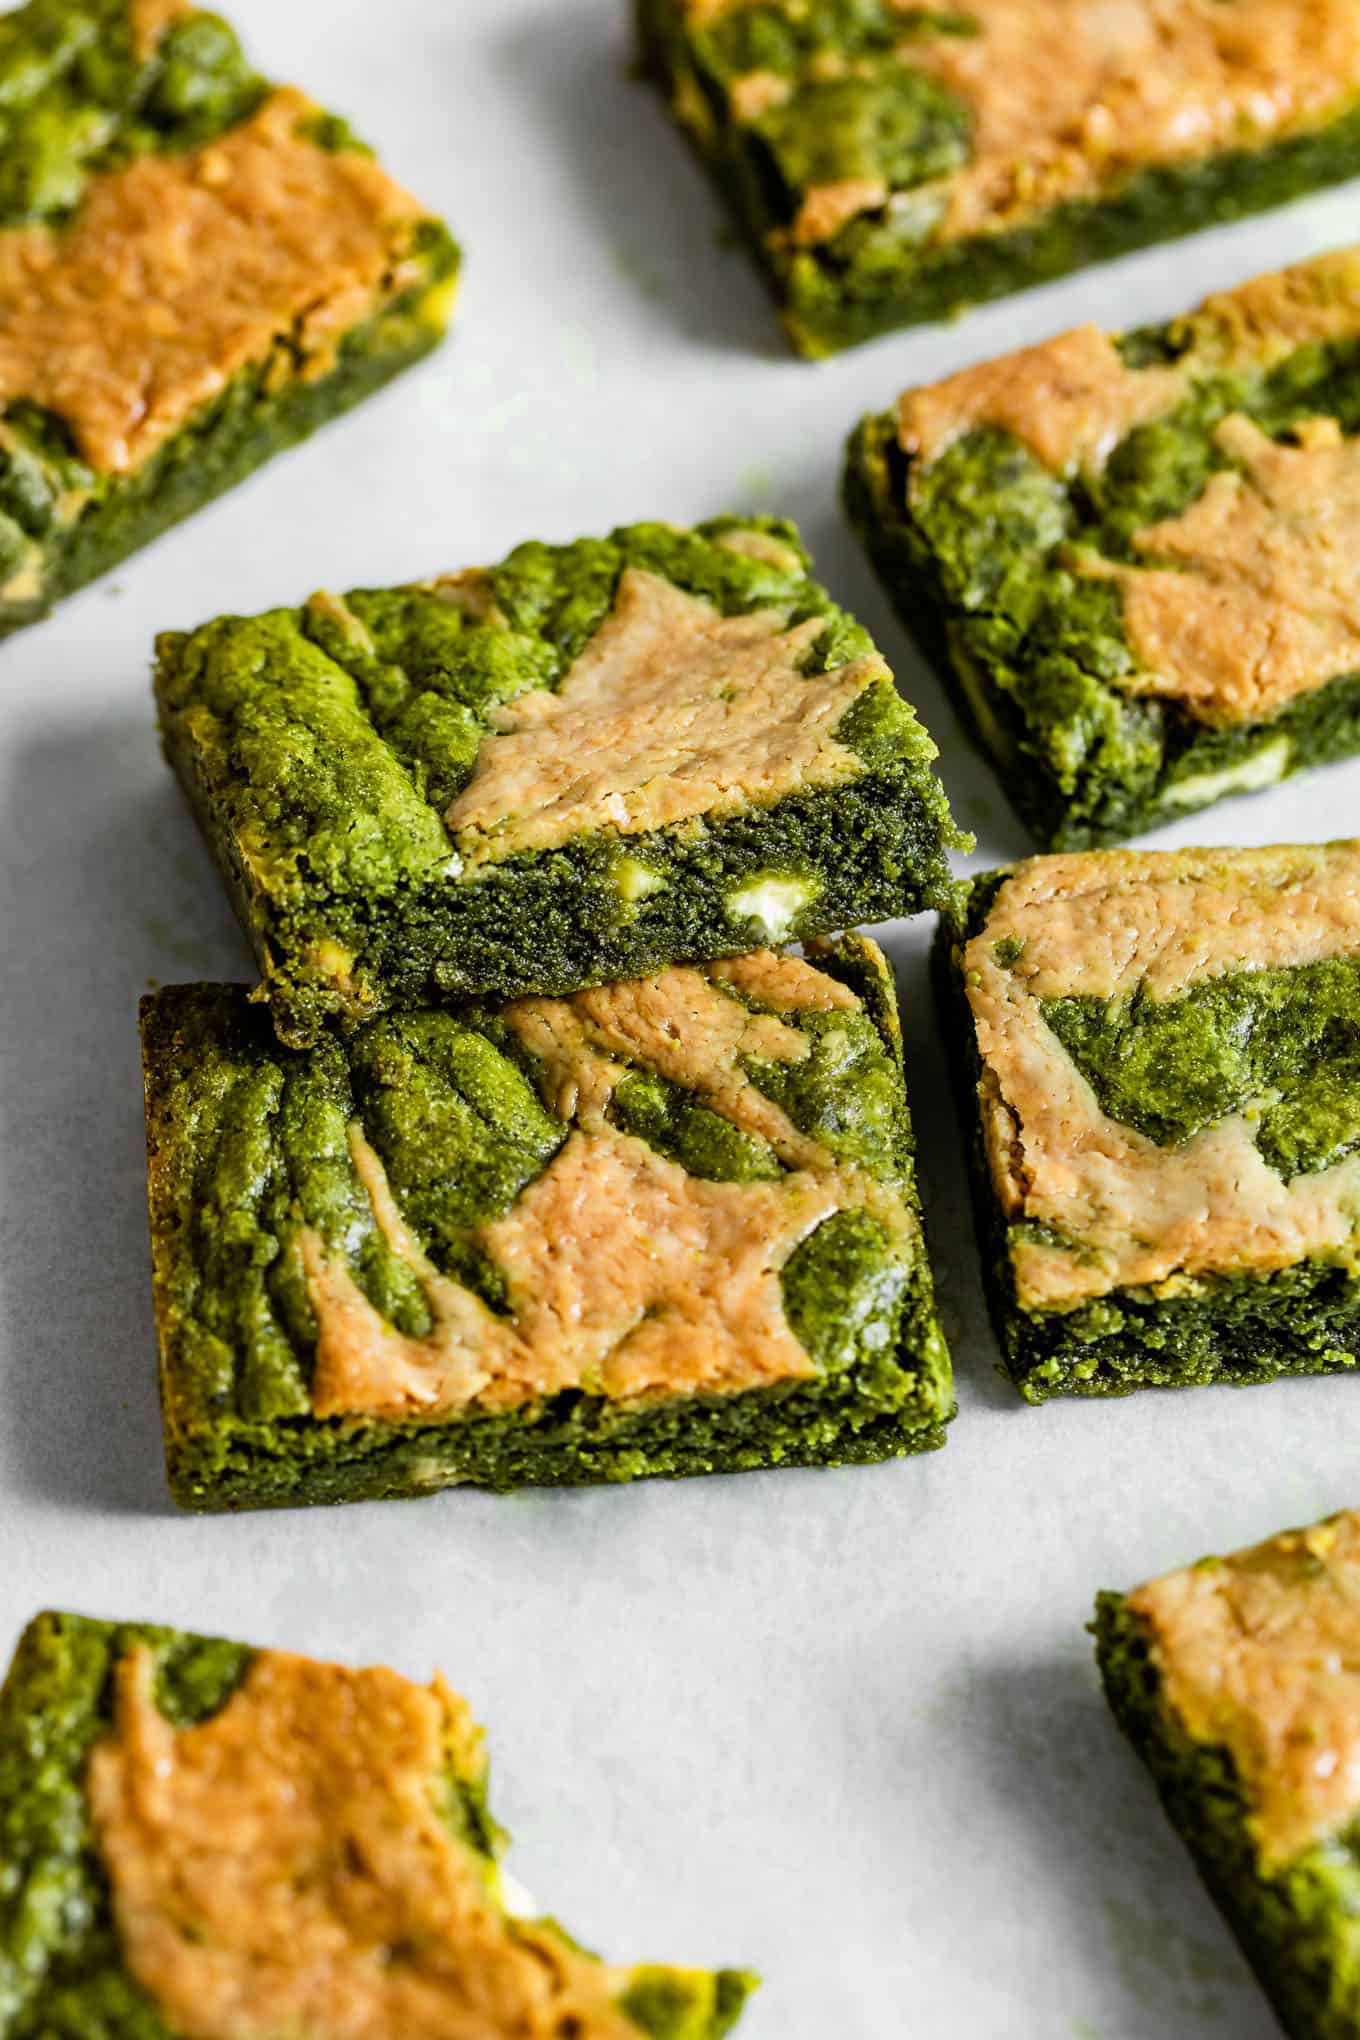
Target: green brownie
[
  {"x": 668, "y": 1226},
  {"x": 201, "y": 1841},
  {"x": 197, "y": 268},
  {"x": 889, "y": 162},
  {"x": 581, "y": 764},
  {"x": 1158, "y": 1061},
  {"x": 1236, "y": 1681},
  {"x": 1134, "y": 557}
]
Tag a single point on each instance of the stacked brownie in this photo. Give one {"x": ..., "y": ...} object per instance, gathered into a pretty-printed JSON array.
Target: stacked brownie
[{"x": 539, "y": 1163}]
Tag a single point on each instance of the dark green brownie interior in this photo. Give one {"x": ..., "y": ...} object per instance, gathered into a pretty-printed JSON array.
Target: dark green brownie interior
[
  {"x": 1298, "y": 1927},
  {"x": 870, "y": 115},
  {"x": 79, "y": 100},
  {"x": 976, "y": 555},
  {"x": 249, "y": 1141},
  {"x": 1168, "y": 1068},
  {"x": 321, "y": 761},
  {"x": 62, "y": 1975}
]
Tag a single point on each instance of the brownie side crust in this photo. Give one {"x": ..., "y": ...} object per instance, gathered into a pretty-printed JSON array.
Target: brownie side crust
[
  {"x": 196, "y": 269},
  {"x": 589, "y": 761},
  {"x": 1233, "y": 1681},
  {"x": 667, "y": 1227},
  {"x": 890, "y": 163},
  {"x": 1125, "y": 554},
  {"x": 189, "y": 1831},
  {"x": 1154, "y": 1055}
]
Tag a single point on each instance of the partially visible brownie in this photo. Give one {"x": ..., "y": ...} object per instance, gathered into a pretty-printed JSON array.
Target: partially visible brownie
[
  {"x": 1133, "y": 556},
  {"x": 1236, "y": 1681},
  {"x": 576, "y": 766},
  {"x": 1158, "y": 1057},
  {"x": 890, "y": 162},
  {"x": 197, "y": 268},
  {"x": 665, "y": 1227},
  {"x": 201, "y": 1841}
]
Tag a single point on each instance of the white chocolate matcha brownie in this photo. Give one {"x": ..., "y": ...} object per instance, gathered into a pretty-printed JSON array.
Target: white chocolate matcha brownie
[
  {"x": 664, "y": 1226},
  {"x": 1159, "y": 1066},
  {"x": 1235, "y": 1679}
]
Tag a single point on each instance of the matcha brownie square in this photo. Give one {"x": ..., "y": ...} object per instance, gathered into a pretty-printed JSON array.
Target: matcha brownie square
[
  {"x": 1236, "y": 1681},
  {"x": 1134, "y": 557},
  {"x": 579, "y": 765},
  {"x": 201, "y": 1841},
  {"x": 196, "y": 269},
  {"x": 668, "y": 1226},
  {"x": 1158, "y": 1057},
  {"x": 889, "y": 162}
]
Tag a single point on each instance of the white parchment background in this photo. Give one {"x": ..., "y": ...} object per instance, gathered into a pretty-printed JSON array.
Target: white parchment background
[{"x": 843, "y": 1727}]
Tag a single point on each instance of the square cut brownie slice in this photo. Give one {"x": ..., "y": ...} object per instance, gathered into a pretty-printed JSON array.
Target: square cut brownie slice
[
  {"x": 668, "y": 1226},
  {"x": 196, "y": 269},
  {"x": 201, "y": 1841},
  {"x": 1236, "y": 1681},
  {"x": 588, "y": 761},
  {"x": 1158, "y": 1057},
  {"x": 1135, "y": 557},
  {"x": 889, "y": 162}
]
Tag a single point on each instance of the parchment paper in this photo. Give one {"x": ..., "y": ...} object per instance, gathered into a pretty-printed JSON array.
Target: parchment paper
[{"x": 843, "y": 1727}]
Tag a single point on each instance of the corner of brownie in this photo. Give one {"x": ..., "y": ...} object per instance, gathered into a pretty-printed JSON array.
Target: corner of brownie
[{"x": 1234, "y": 1680}]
